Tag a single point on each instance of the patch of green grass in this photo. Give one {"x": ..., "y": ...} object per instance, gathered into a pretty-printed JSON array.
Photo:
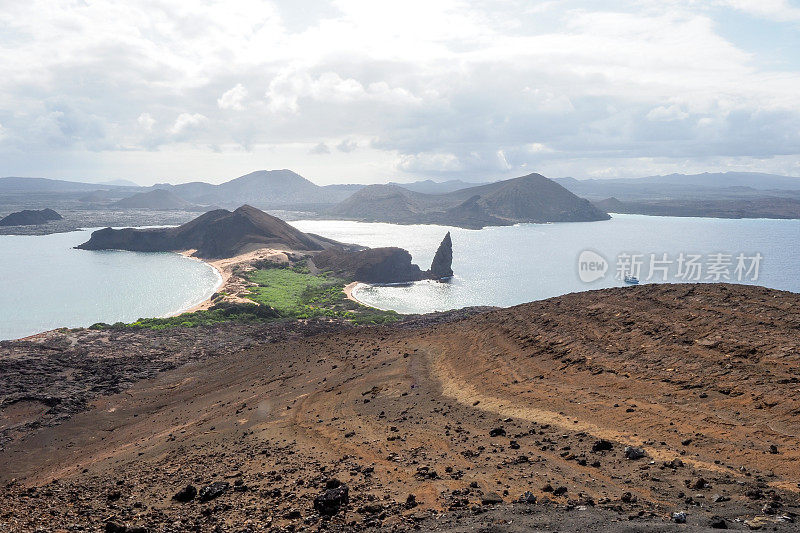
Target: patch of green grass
[
  {"x": 218, "y": 313},
  {"x": 283, "y": 291},
  {"x": 290, "y": 292}
]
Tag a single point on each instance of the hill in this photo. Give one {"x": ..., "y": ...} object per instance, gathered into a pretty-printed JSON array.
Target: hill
[
  {"x": 531, "y": 198},
  {"x": 606, "y": 410},
  {"x": 706, "y": 186},
  {"x": 13, "y": 185},
  {"x": 218, "y": 233},
  {"x": 435, "y": 187},
  {"x": 29, "y": 217},
  {"x": 264, "y": 188},
  {"x": 159, "y": 199}
]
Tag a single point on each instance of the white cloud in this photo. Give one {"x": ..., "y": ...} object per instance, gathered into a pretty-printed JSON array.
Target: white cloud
[
  {"x": 456, "y": 87},
  {"x": 779, "y": 10},
  {"x": 430, "y": 162},
  {"x": 319, "y": 149},
  {"x": 146, "y": 121},
  {"x": 188, "y": 122},
  {"x": 233, "y": 98},
  {"x": 662, "y": 113},
  {"x": 347, "y": 145}
]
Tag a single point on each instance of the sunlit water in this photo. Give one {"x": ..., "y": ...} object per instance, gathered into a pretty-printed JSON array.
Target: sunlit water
[
  {"x": 45, "y": 284},
  {"x": 505, "y": 266}
]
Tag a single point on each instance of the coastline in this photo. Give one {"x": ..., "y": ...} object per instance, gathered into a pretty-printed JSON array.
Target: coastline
[
  {"x": 348, "y": 292},
  {"x": 234, "y": 287}
]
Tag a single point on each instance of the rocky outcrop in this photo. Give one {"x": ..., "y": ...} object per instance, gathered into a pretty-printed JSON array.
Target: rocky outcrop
[
  {"x": 442, "y": 265},
  {"x": 30, "y": 218},
  {"x": 216, "y": 234},
  {"x": 385, "y": 265}
]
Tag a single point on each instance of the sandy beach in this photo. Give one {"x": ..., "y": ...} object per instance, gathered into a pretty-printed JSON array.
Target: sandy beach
[{"x": 233, "y": 286}]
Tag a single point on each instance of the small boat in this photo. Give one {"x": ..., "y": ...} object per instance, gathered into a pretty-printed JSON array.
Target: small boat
[{"x": 631, "y": 280}]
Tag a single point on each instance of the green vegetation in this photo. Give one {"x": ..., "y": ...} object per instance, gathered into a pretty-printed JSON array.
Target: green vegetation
[{"x": 282, "y": 291}]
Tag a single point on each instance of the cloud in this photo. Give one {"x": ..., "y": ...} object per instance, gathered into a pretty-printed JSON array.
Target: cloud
[
  {"x": 347, "y": 146},
  {"x": 233, "y": 98},
  {"x": 146, "y": 121},
  {"x": 779, "y": 10},
  {"x": 662, "y": 113},
  {"x": 288, "y": 88},
  {"x": 187, "y": 123},
  {"x": 456, "y": 88},
  {"x": 319, "y": 149}
]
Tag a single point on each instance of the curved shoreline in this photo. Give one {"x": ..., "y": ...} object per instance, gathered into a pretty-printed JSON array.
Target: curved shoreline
[{"x": 222, "y": 278}]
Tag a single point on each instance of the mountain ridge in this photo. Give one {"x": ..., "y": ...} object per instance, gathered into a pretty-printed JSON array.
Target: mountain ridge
[{"x": 531, "y": 198}]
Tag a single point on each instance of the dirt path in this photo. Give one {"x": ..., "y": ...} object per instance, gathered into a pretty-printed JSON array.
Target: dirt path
[{"x": 460, "y": 415}]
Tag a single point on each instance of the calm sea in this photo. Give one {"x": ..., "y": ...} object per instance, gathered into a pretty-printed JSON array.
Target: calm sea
[
  {"x": 506, "y": 266},
  {"x": 45, "y": 284}
]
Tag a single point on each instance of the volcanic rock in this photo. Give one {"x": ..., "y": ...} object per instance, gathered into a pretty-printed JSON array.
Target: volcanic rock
[
  {"x": 330, "y": 501},
  {"x": 441, "y": 267},
  {"x": 215, "y": 490},
  {"x": 30, "y": 217}
]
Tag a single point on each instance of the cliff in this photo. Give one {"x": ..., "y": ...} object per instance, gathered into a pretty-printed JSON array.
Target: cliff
[
  {"x": 442, "y": 264},
  {"x": 30, "y": 218},
  {"x": 385, "y": 265}
]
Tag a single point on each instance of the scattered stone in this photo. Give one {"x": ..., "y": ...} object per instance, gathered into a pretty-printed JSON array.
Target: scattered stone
[
  {"x": 679, "y": 517},
  {"x": 719, "y": 498},
  {"x": 330, "y": 501},
  {"x": 497, "y": 432},
  {"x": 215, "y": 490},
  {"x": 634, "y": 453},
  {"x": 602, "y": 445},
  {"x": 411, "y": 501},
  {"x": 491, "y": 498},
  {"x": 629, "y": 498},
  {"x": 527, "y": 497},
  {"x": 717, "y": 523},
  {"x": 560, "y": 491},
  {"x": 773, "y": 449},
  {"x": 754, "y": 524},
  {"x": 699, "y": 483},
  {"x": 186, "y": 494}
]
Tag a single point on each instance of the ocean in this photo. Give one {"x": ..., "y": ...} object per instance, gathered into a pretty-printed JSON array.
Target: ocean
[
  {"x": 45, "y": 283},
  {"x": 505, "y": 266}
]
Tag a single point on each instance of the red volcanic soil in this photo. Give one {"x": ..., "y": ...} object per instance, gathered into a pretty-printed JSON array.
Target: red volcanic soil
[{"x": 467, "y": 416}]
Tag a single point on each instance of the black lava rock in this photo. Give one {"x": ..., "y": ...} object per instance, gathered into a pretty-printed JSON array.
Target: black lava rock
[
  {"x": 215, "y": 490},
  {"x": 186, "y": 494},
  {"x": 330, "y": 501}
]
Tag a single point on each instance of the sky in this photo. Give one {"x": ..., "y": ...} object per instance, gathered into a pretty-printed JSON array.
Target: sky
[{"x": 364, "y": 91}]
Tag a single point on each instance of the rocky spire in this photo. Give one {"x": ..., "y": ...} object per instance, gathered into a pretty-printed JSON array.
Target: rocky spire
[{"x": 442, "y": 265}]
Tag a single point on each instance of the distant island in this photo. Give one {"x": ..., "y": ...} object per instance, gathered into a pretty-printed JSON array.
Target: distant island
[
  {"x": 29, "y": 217},
  {"x": 225, "y": 234},
  {"x": 456, "y": 202},
  {"x": 160, "y": 199},
  {"x": 531, "y": 198},
  {"x": 717, "y": 195}
]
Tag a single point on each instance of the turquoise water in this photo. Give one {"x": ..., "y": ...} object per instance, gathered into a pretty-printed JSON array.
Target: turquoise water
[
  {"x": 45, "y": 284},
  {"x": 506, "y": 266}
]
